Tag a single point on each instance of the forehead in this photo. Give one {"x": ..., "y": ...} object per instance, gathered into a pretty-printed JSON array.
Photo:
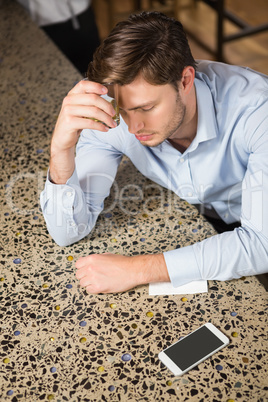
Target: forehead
[{"x": 140, "y": 92}]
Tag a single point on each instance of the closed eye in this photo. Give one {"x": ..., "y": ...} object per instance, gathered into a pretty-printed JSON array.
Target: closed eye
[
  {"x": 142, "y": 108},
  {"x": 148, "y": 109}
]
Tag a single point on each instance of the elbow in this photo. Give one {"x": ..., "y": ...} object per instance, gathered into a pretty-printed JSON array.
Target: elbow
[
  {"x": 64, "y": 238},
  {"x": 63, "y": 242},
  {"x": 255, "y": 247}
]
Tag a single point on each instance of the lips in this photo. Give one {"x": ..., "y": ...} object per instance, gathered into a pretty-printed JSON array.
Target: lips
[{"x": 143, "y": 137}]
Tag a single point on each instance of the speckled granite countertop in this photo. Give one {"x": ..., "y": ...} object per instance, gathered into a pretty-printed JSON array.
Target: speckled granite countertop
[{"x": 57, "y": 342}]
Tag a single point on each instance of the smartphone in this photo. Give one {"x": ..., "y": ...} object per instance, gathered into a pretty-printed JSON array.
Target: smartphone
[{"x": 191, "y": 350}]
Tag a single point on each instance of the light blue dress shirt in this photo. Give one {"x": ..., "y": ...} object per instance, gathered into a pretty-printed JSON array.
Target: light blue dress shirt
[{"x": 225, "y": 167}]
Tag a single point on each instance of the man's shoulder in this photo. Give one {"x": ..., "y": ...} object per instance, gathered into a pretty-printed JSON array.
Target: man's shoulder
[
  {"x": 219, "y": 70},
  {"x": 226, "y": 78}
]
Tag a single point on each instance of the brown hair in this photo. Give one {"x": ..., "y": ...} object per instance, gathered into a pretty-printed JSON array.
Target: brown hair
[{"x": 150, "y": 44}]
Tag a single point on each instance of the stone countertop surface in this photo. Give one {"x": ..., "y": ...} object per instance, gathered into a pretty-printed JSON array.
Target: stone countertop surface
[{"x": 56, "y": 341}]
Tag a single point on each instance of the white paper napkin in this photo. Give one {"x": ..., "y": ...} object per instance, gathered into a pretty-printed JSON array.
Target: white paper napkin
[{"x": 165, "y": 288}]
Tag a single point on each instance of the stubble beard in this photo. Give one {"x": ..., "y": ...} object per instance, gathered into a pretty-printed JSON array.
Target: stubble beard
[{"x": 173, "y": 125}]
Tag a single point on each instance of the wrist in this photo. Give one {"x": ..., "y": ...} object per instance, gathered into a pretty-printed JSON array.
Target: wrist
[
  {"x": 62, "y": 165},
  {"x": 151, "y": 268},
  {"x": 57, "y": 149}
]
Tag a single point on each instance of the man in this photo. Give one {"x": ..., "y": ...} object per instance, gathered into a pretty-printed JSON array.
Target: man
[{"x": 200, "y": 129}]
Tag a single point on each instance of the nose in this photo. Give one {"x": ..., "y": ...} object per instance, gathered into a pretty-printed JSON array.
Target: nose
[{"x": 135, "y": 124}]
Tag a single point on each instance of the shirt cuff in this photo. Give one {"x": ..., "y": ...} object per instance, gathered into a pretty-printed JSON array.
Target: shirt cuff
[
  {"x": 73, "y": 180},
  {"x": 182, "y": 266},
  {"x": 68, "y": 196}
]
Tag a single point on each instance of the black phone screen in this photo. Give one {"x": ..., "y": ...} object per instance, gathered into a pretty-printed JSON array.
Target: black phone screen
[{"x": 193, "y": 348}]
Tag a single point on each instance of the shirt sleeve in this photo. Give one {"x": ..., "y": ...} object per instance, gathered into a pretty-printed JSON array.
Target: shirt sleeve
[
  {"x": 71, "y": 210},
  {"x": 244, "y": 251}
]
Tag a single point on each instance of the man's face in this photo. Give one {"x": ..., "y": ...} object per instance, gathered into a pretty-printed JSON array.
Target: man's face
[{"x": 153, "y": 113}]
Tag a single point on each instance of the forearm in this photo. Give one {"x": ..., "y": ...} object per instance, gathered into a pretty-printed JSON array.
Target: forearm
[
  {"x": 70, "y": 211},
  {"x": 110, "y": 273},
  {"x": 82, "y": 108},
  {"x": 62, "y": 164},
  {"x": 150, "y": 268},
  {"x": 242, "y": 252},
  {"x": 221, "y": 257}
]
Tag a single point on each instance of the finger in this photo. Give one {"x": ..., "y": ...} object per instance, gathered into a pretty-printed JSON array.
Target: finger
[
  {"x": 77, "y": 124},
  {"x": 89, "y": 289},
  {"x": 85, "y": 281},
  {"x": 88, "y": 100},
  {"x": 84, "y": 262},
  {"x": 80, "y": 263},
  {"x": 96, "y": 125},
  {"x": 93, "y": 290},
  {"x": 85, "y": 86},
  {"x": 90, "y": 112},
  {"x": 79, "y": 274}
]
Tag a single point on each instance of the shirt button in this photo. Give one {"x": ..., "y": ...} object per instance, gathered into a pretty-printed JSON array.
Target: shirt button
[
  {"x": 73, "y": 223},
  {"x": 181, "y": 160},
  {"x": 69, "y": 193},
  {"x": 226, "y": 215},
  {"x": 190, "y": 194}
]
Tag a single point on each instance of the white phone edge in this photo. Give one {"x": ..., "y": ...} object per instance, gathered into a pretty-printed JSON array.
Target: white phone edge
[{"x": 174, "y": 368}]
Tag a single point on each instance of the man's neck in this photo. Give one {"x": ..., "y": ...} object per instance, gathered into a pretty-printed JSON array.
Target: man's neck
[
  {"x": 187, "y": 131},
  {"x": 180, "y": 145}
]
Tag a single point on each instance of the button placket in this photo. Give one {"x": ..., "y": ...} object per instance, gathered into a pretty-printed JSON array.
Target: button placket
[
  {"x": 184, "y": 189},
  {"x": 68, "y": 201}
]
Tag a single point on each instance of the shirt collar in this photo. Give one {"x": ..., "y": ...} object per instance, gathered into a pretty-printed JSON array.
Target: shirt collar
[{"x": 207, "y": 127}]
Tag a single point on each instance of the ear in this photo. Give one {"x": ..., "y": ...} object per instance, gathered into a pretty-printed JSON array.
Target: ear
[{"x": 187, "y": 79}]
